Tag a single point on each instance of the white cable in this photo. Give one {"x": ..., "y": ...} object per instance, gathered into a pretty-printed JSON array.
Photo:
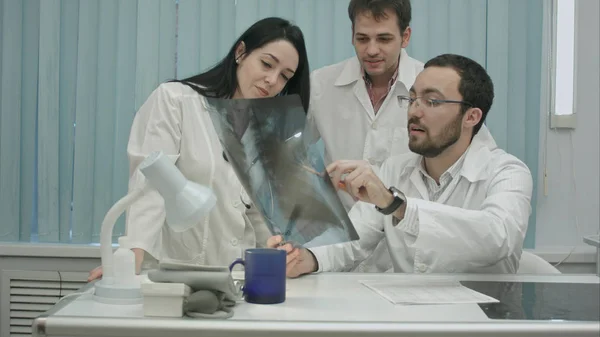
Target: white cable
[
  {"x": 89, "y": 291},
  {"x": 550, "y": 87},
  {"x": 574, "y": 197},
  {"x": 549, "y": 108}
]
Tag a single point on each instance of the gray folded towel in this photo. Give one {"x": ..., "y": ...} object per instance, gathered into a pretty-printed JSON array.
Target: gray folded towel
[{"x": 208, "y": 304}]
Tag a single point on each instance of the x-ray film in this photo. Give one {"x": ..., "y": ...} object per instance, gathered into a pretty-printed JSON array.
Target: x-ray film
[{"x": 280, "y": 164}]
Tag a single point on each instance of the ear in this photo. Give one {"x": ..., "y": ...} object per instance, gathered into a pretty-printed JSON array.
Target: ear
[
  {"x": 240, "y": 51},
  {"x": 406, "y": 37},
  {"x": 472, "y": 117}
]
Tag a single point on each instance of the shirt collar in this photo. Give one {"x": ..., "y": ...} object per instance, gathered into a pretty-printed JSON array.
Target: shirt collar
[
  {"x": 352, "y": 71},
  {"x": 368, "y": 82},
  {"x": 453, "y": 171},
  {"x": 471, "y": 165}
]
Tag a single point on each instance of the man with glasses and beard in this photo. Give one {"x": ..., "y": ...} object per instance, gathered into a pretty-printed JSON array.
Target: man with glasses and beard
[
  {"x": 356, "y": 105},
  {"x": 451, "y": 205}
]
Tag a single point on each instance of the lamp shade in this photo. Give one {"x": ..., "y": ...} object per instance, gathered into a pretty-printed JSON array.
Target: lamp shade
[{"x": 186, "y": 202}]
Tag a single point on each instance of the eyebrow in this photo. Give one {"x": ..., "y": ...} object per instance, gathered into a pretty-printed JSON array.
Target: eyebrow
[
  {"x": 277, "y": 60},
  {"x": 378, "y": 35},
  {"x": 427, "y": 91}
]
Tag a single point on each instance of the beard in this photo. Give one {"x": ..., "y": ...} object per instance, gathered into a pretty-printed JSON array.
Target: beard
[{"x": 428, "y": 147}]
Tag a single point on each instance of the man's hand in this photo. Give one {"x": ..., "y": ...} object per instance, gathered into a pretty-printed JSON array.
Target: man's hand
[
  {"x": 299, "y": 261},
  {"x": 357, "y": 178}
]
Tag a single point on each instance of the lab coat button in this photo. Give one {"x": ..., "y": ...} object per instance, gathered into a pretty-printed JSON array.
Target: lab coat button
[
  {"x": 374, "y": 126},
  {"x": 234, "y": 242},
  {"x": 422, "y": 268}
]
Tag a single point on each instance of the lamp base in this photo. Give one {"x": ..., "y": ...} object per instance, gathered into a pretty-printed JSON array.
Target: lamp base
[{"x": 113, "y": 293}]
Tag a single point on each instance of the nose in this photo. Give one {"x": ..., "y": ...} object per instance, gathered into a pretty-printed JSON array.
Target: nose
[
  {"x": 416, "y": 109},
  {"x": 271, "y": 78},
  {"x": 372, "y": 48}
]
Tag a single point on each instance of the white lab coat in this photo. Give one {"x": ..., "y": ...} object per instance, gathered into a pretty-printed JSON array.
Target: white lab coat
[
  {"x": 476, "y": 226},
  {"x": 174, "y": 119},
  {"x": 341, "y": 113}
]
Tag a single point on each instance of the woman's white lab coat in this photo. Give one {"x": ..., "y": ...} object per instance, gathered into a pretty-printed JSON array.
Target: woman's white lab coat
[{"x": 174, "y": 120}]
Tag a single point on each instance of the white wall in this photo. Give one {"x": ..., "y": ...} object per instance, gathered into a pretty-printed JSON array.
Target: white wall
[{"x": 573, "y": 156}]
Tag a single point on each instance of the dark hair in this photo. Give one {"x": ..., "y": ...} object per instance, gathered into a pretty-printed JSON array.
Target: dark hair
[
  {"x": 475, "y": 85},
  {"x": 221, "y": 81},
  {"x": 377, "y": 8}
]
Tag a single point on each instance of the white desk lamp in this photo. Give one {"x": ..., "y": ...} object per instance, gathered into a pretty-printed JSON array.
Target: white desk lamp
[{"x": 186, "y": 203}]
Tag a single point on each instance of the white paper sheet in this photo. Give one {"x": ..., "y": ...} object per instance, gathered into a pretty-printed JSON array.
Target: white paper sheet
[{"x": 427, "y": 292}]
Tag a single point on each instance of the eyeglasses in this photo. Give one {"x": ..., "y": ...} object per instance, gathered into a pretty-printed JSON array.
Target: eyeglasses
[{"x": 406, "y": 102}]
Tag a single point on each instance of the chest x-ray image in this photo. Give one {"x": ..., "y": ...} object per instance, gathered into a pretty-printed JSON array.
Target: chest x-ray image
[{"x": 281, "y": 167}]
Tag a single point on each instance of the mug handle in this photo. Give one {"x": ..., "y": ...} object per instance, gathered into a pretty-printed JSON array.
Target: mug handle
[{"x": 237, "y": 261}]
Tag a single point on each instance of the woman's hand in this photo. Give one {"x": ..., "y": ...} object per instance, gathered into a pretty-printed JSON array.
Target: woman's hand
[
  {"x": 96, "y": 273},
  {"x": 299, "y": 261}
]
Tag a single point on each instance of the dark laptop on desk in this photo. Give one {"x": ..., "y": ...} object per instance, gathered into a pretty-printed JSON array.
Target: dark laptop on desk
[{"x": 540, "y": 301}]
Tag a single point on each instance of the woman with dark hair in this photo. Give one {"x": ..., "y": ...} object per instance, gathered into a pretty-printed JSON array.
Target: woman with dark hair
[
  {"x": 235, "y": 77},
  {"x": 267, "y": 60}
]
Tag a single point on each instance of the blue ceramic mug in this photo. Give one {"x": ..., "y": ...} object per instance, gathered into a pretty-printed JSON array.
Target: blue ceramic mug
[{"x": 264, "y": 270}]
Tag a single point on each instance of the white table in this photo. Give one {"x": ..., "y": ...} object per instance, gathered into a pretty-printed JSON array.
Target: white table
[
  {"x": 594, "y": 240},
  {"x": 328, "y": 304}
]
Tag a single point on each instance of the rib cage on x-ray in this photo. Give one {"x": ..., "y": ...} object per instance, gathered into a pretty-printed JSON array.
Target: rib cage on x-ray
[{"x": 264, "y": 140}]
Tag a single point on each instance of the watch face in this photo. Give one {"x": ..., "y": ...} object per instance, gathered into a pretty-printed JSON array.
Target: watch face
[
  {"x": 398, "y": 201},
  {"x": 396, "y": 192}
]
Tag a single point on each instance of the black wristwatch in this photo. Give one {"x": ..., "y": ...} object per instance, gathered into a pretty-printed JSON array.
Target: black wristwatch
[{"x": 398, "y": 201}]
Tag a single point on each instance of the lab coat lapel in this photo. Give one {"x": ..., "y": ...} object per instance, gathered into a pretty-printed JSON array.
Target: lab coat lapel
[
  {"x": 417, "y": 181},
  {"x": 360, "y": 91}
]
